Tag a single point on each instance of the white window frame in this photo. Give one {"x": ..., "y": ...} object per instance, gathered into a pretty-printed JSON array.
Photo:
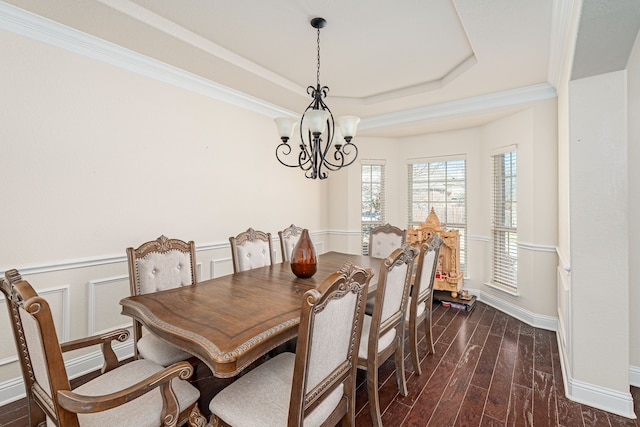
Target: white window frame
[
  {"x": 504, "y": 223},
  {"x": 461, "y": 226},
  {"x": 366, "y": 225}
]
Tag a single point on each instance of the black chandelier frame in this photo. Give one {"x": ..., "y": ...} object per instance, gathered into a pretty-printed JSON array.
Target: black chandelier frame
[{"x": 315, "y": 151}]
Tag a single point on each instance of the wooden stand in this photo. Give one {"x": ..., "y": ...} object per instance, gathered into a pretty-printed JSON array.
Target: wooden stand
[{"x": 448, "y": 275}]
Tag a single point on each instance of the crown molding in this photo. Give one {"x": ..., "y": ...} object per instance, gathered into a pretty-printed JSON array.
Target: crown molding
[
  {"x": 27, "y": 24},
  {"x": 154, "y": 20},
  {"x": 496, "y": 100},
  {"x": 38, "y": 28}
]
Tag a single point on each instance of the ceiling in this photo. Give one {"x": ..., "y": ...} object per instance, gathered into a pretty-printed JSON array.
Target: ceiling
[{"x": 406, "y": 67}]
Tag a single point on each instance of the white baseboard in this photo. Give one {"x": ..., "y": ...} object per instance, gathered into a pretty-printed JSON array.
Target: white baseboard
[
  {"x": 536, "y": 320},
  {"x": 634, "y": 376},
  {"x": 602, "y": 398},
  {"x": 13, "y": 389},
  {"x": 598, "y": 397}
]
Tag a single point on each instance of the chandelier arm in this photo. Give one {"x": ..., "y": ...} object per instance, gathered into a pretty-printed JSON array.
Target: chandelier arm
[
  {"x": 341, "y": 156},
  {"x": 283, "y": 150},
  {"x": 305, "y": 161},
  {"x": 346, "y": 151},
  {"x": 319, "y": 173}
]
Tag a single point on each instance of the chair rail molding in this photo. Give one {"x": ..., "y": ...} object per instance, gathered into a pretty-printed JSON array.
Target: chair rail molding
[{"x": 114, "y": 259}]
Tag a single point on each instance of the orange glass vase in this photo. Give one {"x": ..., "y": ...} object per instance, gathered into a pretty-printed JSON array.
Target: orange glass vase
[{"x": 304, "y": 261}]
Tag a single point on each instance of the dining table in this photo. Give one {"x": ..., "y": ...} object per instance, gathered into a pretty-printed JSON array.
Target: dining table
[{"x": 231, "y": 321}]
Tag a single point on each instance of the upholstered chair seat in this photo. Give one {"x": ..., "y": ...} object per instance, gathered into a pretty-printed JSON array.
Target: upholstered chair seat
[
  {"x": 127, "y": 415},
  {"x": 315, "y": 386},
  {"x": 251, "y": 249},
  {"x": 269, "y": 391},
  {"x": 155, "y": 266},
  {"x": 157, "y": 350}
]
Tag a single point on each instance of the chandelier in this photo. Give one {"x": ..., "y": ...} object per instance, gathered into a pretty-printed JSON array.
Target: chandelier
[{"x": 323, "y": 145}]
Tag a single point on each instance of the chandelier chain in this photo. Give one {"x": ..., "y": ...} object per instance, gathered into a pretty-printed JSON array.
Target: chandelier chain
[{"x": 318, "y": 72}]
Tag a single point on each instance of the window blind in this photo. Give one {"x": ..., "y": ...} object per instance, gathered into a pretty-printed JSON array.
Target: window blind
[
  {"x": 440, "y": 184},
  {"x": 504, "y": 217},
  {"x": 372, "y": 200}
]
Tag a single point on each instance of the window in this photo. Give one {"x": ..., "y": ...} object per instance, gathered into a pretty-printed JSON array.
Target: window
[
  {"x": 504, "y": 225},
  {"x": 372, "y": 201},
  {"x": 440, "y": 184}
]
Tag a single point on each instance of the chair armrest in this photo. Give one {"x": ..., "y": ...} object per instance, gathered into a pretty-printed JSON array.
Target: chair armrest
[
  {"x": 81, "y": 404},
  {"x": 110, "y": 358}
]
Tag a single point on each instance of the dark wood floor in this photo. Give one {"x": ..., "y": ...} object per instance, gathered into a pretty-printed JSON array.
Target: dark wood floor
[{"x": 489, "y": 369}]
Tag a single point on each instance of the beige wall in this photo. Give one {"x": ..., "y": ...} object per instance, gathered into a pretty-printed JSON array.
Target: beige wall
[
  {"x": 96, "y": 159},
  {"x": 633, "y": 87},
  {"x": 598, "y": 195},
  {"x": 596, "y": 133},
  {"x": 534, "y": 131}
]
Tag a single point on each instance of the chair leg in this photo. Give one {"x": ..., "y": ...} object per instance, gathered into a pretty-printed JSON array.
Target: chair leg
[
  {"x": 372, "y": 393},
  {"x": 196, "y": 419},
  {"x": 37, "y": 417},
  {"x": 413, "y": 346},
  {"x": 427, "y": 331},
  {"x": 399, "y": 359}
]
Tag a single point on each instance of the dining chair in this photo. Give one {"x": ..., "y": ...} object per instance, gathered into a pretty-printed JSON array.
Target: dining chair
[
  {"x": 139, "y": 393},
  {"x": 421, "y": 299},
  {"x": 384, "y": 239},
  {"x": 251, "y": 249},
  {"x": 383, "y": 331},
  {"x": 316, "y": 386},
  {"x": 155, "y": 266},
  {"x": 288, "y": 239}
]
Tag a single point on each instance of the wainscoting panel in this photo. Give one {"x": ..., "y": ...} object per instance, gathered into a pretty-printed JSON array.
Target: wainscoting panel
[
  {"x": 104, "y": 304},
  {"x": 221, "y": 267}
]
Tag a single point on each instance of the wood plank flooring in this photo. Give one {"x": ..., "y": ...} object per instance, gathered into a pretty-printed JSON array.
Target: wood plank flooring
[{"x": 489, "y": 370}]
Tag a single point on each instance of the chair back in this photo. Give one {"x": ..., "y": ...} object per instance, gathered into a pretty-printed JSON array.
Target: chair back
[
  {"x": 158, "y": 265},
  {"x": 425, "y": 271},
  {"x": 161, "y": 264},
  {"x": 392, "y": 295},
  {"x": 383, "y": 240},
  {"x": 328, "y": 340},
  {"x": 288, "y": 239},
  {"x": 251, "y": 249},
  {"x": 39, "y": 351}
]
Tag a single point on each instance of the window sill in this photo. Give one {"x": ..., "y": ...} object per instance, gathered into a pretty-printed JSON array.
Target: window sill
[{"x": 504, "y": 289}]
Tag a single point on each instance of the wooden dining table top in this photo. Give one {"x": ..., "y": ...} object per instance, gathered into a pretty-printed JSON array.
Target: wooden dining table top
[{"x": 230, "y": 321}]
